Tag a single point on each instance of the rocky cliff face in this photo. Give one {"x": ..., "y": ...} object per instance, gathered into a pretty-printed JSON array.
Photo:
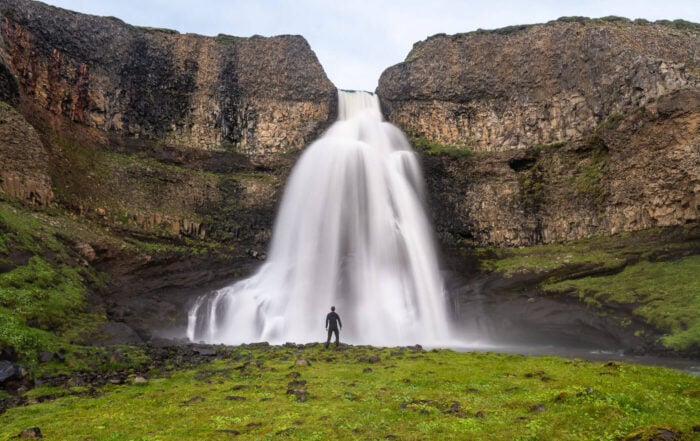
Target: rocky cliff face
[
  {"x": 152, "y": 130},
  {"x": 575, "y": 128},
  {"x": 256, "y": 94}
]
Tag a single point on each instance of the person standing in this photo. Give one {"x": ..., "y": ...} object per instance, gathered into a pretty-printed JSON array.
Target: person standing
[{"x": 333, "y": 325}]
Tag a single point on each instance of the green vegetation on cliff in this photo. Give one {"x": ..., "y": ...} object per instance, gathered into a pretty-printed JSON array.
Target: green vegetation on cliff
[
  {"x": 653, "y": 272},
  {"x": 666, "y": 294},
  {"x": 42, "y": 286},
  {"x": 262, "y": 392}
]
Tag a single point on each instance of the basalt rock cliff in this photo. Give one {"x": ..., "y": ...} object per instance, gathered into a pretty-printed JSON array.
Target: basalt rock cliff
[
  {"x": 149, "y": 129},
  {"x": 162, "y": 141},
  {"x": 557, "y": 131}
]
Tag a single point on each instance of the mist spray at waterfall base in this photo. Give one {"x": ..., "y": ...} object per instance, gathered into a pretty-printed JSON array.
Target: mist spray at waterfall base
[{"x": 351, "y": 232}]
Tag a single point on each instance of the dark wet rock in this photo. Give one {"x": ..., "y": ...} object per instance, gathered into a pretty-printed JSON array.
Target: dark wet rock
[
  {"x": 254, "y": 425},
  {"x": 235, "y": 398},
  {"x": 9, "y": 371},
  {"x": 33, "y": 432},
  {"x": 45, "y": 357},
  {"x": 8, "y": 354},
  {"x": 371, "y": 359},
  {"x": 239, "y": 387},
  {"x": 296, "y": 384},
  {"x": 113, "y": 333},
  {"x": 454, "y": 408},
  {"x": 229, "y": 432},
  {"x": 301, "y": 394},
  {"x": 654, "y": 433},
  {"x": 534, "y": 374},
  {"x": 206, "y": 352}
]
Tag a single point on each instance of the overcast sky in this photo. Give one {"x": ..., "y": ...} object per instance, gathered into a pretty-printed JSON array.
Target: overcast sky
[{"x": 355, "y": 40}]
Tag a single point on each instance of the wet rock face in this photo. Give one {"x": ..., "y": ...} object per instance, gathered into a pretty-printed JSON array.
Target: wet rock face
[
  {"x": 577, "y": 128},
  {"x": 257, "y": 95},
  {"x": 514, "y": 88}
]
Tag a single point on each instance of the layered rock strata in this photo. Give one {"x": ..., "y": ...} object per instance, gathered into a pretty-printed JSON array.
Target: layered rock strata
[
  {"x": 555, "y": 132},
  {"x": 155, "y": 131}
]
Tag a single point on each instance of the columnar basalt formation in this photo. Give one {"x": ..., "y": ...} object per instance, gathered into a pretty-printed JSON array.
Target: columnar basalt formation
[
  {"x": 256, "y": 94},
  {"x": 576, "y": 127},
  {"x": 154, "y": 130}
]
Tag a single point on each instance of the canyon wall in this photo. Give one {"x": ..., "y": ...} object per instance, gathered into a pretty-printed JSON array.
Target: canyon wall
[
  {"x": 154, "y": 130},
  {"x": 554, "y": 132}
]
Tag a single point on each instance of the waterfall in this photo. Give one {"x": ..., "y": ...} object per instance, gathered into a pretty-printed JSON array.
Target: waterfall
[{"x": 351, "y": 232}]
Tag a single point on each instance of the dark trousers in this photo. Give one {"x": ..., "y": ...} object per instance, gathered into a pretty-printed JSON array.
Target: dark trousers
[{"x": 337, "y": 336}]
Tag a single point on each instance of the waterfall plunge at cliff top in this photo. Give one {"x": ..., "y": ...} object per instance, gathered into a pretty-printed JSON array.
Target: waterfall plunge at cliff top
[{"x": 351, "y": 232}]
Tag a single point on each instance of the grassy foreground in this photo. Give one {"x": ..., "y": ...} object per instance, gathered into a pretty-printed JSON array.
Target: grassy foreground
[{"x": 263, "y": 392}]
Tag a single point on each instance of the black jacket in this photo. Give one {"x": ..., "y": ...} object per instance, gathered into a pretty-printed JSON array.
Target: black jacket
[{"x": 333, "y": 320}]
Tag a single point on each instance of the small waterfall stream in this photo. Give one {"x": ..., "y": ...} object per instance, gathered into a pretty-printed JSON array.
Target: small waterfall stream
[{"x": 351, "y": 232}]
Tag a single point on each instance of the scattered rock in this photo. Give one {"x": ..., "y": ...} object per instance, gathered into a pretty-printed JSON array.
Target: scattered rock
[
  {"x": 480, "y": 414},
  {"x": 588, "y": 391},
  {"x": 206, "y": 352},
  {"x": 229, "y": 432},
  {"x": 9, "y": 371},
  {"x": 192, "y": 400},
  {"x": 8, "y": 354},
  {"x": 366, "y": 370},
  {"x": 294, "y": 375},
  {"x": 301, "y": 394},
  {"x": 696, "y": 428},
  {"x": 561, "y": 396},
  {"x": 538, "y": 408},
  {"x": 239, "y": 387},
  {"x": 33, "y": 432},
  {"x": 372, "y": 359},
  {"x": 235, "y": 398},
  {"x": 140, "y": 380},
  {"x": 45, "y": 357},
  {"x": 472, "y": 390},
  {"x": 296, "y": 384},
  {"x": 654, "y": 433},
  {"x": 454, "y": 408},
  {"x": 302, "y": 362}
]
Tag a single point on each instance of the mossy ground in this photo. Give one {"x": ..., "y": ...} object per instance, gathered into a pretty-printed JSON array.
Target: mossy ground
[
  {"x": 369, "y": 393},
  {"x": 42, "y": 284},
  {"x": 654, "y": 271}
]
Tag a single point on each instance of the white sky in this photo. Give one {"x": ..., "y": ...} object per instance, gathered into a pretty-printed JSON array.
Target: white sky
[{"x": 355, "y": 40}]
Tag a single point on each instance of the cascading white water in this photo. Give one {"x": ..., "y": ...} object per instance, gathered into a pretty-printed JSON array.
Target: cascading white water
[{"x": 351, "y": 232}]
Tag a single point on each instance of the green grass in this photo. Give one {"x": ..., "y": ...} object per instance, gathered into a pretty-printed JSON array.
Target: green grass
[
  {"x": 436, "y": 148},
  {"x": 667, "y": 295},
  {"x": 546, "y": 258},
  {"x": 642, "y": 269},
  {"x": 407, "y": 395},
  {"x": 42, "y": 295}
]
